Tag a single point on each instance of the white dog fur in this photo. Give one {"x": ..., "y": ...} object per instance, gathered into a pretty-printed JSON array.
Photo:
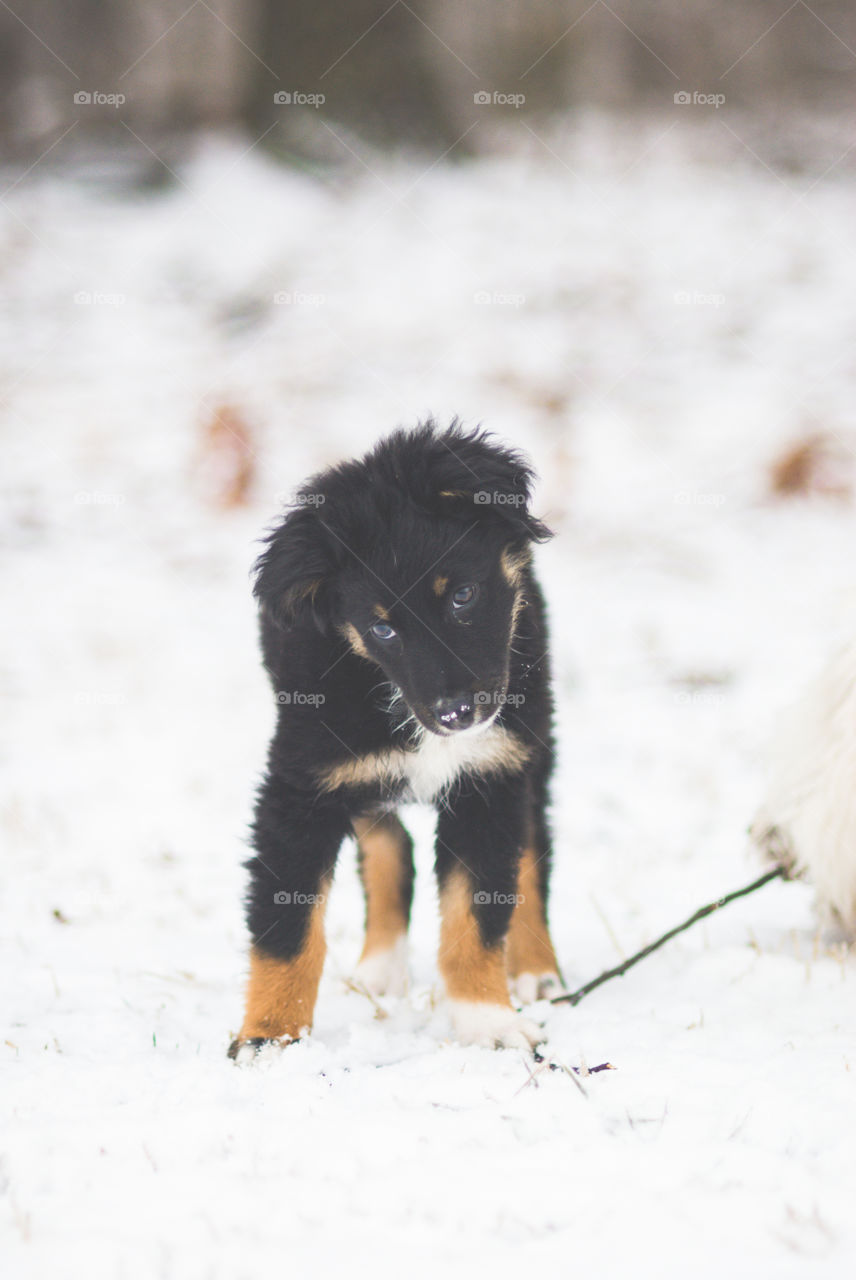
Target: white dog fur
[{"x": 808, "y": 820}]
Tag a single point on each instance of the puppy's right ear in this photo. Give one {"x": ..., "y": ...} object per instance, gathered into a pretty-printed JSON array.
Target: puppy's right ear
[{"x": 293, "y": 573}]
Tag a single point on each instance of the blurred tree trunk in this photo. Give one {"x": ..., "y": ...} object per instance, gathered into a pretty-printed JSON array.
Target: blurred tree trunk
[
  {"x": 400, "y": 71},
  {"x": 369, "y": 60}
]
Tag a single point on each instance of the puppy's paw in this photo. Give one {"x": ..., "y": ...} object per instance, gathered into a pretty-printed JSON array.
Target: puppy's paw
[
  {"x": 384, "y": 973},
  {"x": 256, "y": 1050},
  {"x": 494, "y": 1026},
  {"x": 529, "y": 987}
]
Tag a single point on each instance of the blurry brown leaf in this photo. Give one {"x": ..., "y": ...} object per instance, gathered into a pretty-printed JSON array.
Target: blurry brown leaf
[
  {"x": 228, "y": 459},
  {"x": 817, "y": 465},
  {"x": 551, "y": 398}
]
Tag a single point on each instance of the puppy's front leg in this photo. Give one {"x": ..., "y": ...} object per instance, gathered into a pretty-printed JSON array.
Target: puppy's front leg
[
  {"x": 296, "y": 848},
  {"x": 479, "y": 841}
]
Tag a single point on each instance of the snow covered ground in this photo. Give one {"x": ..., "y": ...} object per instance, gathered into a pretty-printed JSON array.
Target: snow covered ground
[{"x": 655, "y": 315}]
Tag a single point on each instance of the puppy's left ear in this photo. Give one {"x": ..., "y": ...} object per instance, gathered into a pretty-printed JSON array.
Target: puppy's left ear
[
  {"x": 294, "y": 572},
  {"x": 524, "y": 527},
  {"x": 491, "y": 481},
  {"x": 503, "y": 493}
]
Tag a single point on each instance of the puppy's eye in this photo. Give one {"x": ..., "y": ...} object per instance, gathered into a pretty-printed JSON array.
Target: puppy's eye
[
  {"x": 383, "y": 631},
  {"x": 464, "y": 596}
]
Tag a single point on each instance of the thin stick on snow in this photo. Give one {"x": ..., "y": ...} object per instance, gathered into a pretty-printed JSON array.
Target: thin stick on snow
[{"x": 574, "y": 997}]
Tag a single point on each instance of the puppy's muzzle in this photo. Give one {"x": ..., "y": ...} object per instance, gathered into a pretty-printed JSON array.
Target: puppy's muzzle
[{"x": 457, "y": 712}]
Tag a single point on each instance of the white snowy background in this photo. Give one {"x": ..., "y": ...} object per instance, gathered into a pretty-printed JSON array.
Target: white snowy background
[{"x": 655, "y": 314}]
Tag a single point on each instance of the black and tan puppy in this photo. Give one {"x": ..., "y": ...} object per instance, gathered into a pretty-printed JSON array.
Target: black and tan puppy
[{"x": 404, "y": 634}]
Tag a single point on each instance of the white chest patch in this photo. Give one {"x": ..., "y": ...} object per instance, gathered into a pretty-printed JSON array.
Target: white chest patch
[
  {"x": 437, "y": 761},
  {"x": 433, "y": 765}
]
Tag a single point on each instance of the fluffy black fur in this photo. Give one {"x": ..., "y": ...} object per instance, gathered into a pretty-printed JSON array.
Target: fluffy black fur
[{"x": 396, "y": 540}]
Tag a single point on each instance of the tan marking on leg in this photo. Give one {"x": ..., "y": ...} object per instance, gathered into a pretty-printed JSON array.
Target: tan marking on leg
[
  {"x": 440, "y": 584},
  {"x": 470, "y": 970},
  {"x": 529, "y": 948},
  {"x": 281, "y": 994},
  {"x": 383, "y": 871}
]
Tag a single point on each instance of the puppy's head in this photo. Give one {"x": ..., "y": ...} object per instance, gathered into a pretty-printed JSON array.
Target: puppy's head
[{"x": 416, "y": 555}]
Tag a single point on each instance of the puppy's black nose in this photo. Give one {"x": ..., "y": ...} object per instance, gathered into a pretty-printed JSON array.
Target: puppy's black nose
[{"x": 456, "y": 712}]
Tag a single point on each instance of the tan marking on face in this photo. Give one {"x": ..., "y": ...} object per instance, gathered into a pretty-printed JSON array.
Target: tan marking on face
[
  {"x": 380, "y": 612},
  {"x": 384, "y": 867},
  {"x": 529, "y": 947},
  {"x": 281, "y": 994},
  {"x": 503, "y": 752},
  {"x": 512, "y": 564},
  {"x": 517, "y": 606},
  {"x": 470, "y": 970},
  {"x": 355, "y": 640},
  {"x": 440, "y": 584},
  {"x": 452, "y": 493}
]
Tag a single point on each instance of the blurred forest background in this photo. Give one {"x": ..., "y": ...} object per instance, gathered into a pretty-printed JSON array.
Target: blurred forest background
[{"x": 404, "y": 72}]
